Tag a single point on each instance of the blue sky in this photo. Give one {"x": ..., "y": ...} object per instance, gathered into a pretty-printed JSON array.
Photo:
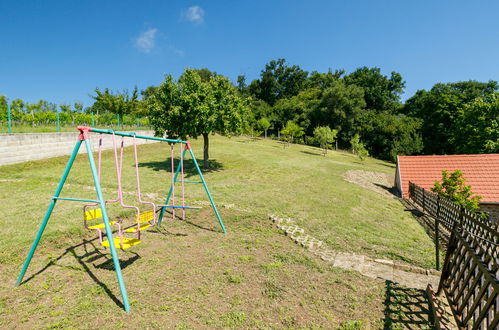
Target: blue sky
[{"x": 61, "y": 50}]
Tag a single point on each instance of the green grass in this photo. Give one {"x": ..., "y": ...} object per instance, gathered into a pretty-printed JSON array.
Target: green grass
[{"x": 184, "y": 274}]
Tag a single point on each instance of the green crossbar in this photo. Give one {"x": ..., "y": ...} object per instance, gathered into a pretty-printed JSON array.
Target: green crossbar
[{"x": 76, "y": 199}]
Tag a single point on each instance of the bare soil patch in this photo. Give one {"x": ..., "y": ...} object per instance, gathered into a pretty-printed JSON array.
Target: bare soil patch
[{"x": 376, "y": 181}]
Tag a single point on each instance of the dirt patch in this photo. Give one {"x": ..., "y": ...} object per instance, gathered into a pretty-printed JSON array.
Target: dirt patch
[{"x": 376, "y": 181}]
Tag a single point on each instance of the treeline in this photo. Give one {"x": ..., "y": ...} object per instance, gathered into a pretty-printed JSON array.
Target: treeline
[
  {"x": 361, "y": 109},
  {"x": 450, "y": 118}
]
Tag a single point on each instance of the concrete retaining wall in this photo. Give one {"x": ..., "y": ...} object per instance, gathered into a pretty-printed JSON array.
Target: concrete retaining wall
[{"x": 18, "y": 148}]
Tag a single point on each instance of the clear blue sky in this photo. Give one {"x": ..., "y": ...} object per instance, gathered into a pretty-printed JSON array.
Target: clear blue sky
[{"x": 61, "y": 50}]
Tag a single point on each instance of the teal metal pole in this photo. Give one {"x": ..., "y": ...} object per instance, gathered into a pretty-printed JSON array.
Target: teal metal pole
[
  {"x": 48, "y": 213},
  {"x": 93, "y": 121},
  {"x": 58, "y": 122},
  {"x": 9, "y": 125},
  {"x": 138, "y": 123},
  {"x": 109, "y": 232},
  {"x": 207, "y": 191},
  {"x": 118, "y": 118},
  {"x": 177, "y": 171},
  {"x": 110, "y": 131}
]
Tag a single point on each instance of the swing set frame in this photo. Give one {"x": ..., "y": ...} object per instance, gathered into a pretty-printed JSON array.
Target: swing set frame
[{"x": 84, "y": 138}]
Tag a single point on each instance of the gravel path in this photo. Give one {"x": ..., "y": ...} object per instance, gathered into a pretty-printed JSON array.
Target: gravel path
[{"x": 404, "y": 274}]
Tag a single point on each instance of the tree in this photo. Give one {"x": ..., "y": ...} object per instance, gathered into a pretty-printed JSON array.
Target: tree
[
  {"x": 3, "y": 108},
  {"x": 340, "y": 105},
  {"x": 277, "y": 81},
  {"x": 454, "y": 188},
  {"x": 263, "y": 124},
  {"x": 291, "y": 131},
  {"x": 387, "y": 134},
  {"x": 380, "y": 92},
  {"x": 193, "y": 107},
  {"x": 478, "y": 126},
  {"x": 323, "y": 80},
  {"x": 119, "y": 103},
  {"x": 358, "y": 147},
  {"x": 241, "y": 84},
  {"x": 325, "y": 136},
  {"x": 442, "y": 109},
  {"x": 297, "y": 109}
]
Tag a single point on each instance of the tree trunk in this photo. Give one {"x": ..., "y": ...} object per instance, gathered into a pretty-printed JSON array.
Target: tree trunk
[
  {"x": 206, "y": 163},
  {"x": 265, "y": 133}
]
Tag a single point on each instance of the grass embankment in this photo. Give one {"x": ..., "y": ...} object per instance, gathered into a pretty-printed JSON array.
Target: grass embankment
[{"x": 185, "y": 274}]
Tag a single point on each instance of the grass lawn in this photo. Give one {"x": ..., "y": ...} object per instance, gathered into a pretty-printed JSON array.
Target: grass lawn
[{"x": 189, "y": 274}]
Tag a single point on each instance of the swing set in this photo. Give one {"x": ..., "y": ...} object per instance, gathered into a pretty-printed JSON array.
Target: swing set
[{"x": 95, "y": 215}]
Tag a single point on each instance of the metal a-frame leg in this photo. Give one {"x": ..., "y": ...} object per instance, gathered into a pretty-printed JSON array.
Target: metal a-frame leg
[
  {"x": 109, "y": 232},
  {"x": 207, "y": 191},
  {"x": 177, "y": 171},
  {"x": 205, "y": 188},
  {"x": 102, "y": 202},
  {"x": 48, "y": 213}
]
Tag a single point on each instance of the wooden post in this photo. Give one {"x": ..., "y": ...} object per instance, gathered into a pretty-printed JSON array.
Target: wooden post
[
  {"x": 437, "y": 243},
  {"x": 423, "y": 200}
]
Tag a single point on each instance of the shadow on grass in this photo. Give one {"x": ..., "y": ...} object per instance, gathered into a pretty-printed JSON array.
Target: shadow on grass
[
  {"x": 168, "y": 214},
  {"x": 189, "y": 166},
  {"x": 312, "y": 153},
  {"x": 387, "y": 165},
  {"x": 428, "y": 224},
  {"x": 93, "y": 254},
  {"x": 250, "y": 139},
  {"x": 406, "y": 308},
  {"x": 392, "y": 190}
]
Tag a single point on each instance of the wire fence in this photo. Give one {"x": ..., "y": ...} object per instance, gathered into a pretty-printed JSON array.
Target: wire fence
[{"x": 49, "y": 121}]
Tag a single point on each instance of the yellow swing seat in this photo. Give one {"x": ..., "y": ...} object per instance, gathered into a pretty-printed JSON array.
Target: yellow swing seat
[
  {"x": 95, "y": 214},
  {"x": 134, "y": 229},
  {"x": 101, "y": 225},
  {"x": 145, "y": 218},
  {"x": 127, "y": 242}
]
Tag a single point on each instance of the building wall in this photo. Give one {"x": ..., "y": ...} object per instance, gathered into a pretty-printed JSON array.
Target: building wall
[
  {"x": 22, "y": 147},
  {"x": 398, "y": 183},
  {"x": 492, "y": 209}
]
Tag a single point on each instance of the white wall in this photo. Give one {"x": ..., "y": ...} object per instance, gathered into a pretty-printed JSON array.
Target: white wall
[{"x": 22, "y": 147}]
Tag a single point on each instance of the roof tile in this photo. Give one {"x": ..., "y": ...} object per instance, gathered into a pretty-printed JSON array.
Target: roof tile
[{"x": 480, "y": 171}]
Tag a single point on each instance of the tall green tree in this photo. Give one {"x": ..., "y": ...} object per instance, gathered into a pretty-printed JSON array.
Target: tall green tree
[
  {"x": 478, "y": 127},
  {"x": 442, "y": 108},
  {"x": 341, "y": 107},
  {"x": 387, "y": 134},
  {"x": 278, "y": 80},
  {"x": 297, "y": 109},
  {"x": 381, "y": 93},
  {"x": 193, "y": 107}
]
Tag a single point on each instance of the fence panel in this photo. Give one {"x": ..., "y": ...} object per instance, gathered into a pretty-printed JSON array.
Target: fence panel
[{"x": 470, "y": 276}]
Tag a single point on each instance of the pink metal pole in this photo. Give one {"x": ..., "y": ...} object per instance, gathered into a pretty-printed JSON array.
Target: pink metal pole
[
  {"x": 138, "y": 184},
  {"x": 173, "y": 181},
  {"x": 99, "y": 162},
  {"x": 119, "y": 167},
  {"x": 182, "y": 178}
]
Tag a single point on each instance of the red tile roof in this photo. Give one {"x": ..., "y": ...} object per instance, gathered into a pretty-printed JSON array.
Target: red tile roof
[{"x": 479, "y": 171}]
